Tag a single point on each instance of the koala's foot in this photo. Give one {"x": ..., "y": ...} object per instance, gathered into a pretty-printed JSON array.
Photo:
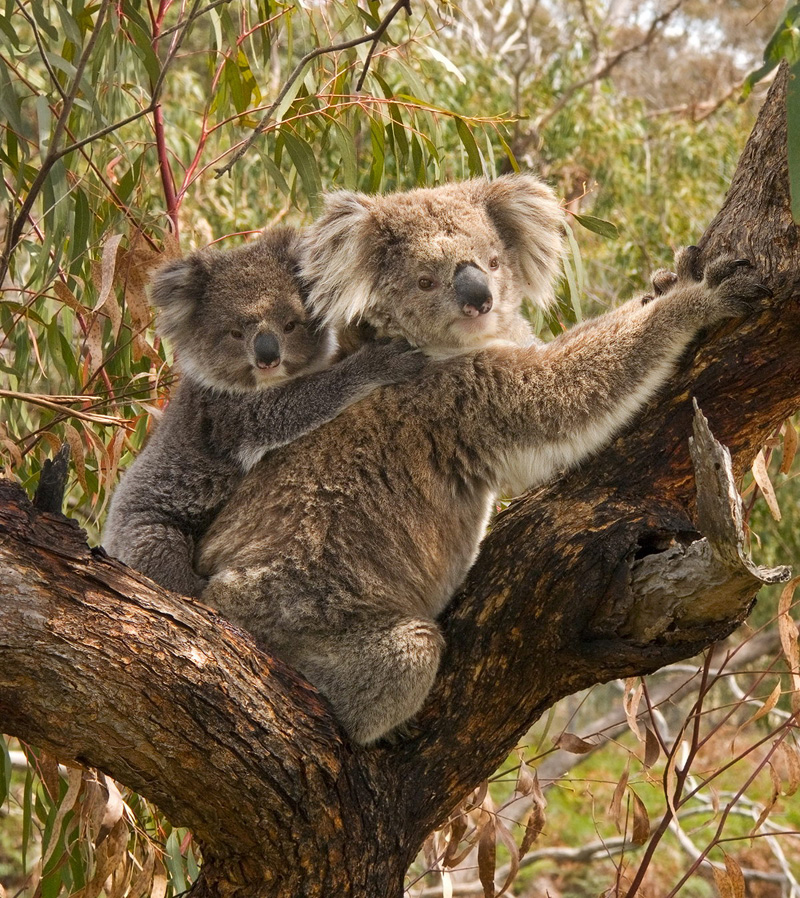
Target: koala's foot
[{"x": 731, "y": 287}]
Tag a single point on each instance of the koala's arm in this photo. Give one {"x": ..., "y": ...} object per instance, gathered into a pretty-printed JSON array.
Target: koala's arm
[
  {"x": 161, "y": 551},
  {"x": 260, "y": 422},
  {"x": 584, "y": 386}
]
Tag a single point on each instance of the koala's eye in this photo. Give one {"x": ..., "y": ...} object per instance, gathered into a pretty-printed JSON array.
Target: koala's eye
[
  {"x": 494, "y": 263},
  {"x": 425, "y": 283},
  {"x": 237, "y": 334},
  {"x": 289, "y": 327}
]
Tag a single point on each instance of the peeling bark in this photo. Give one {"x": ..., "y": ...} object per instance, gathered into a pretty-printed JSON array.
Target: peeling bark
[{"x": 99, "y": 666}]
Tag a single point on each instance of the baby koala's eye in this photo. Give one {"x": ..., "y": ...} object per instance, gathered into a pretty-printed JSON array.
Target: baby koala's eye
[
  {"x": 237, "y": 334},
  {"x": 289, "y": 327},
  {"x": 494, "y": 263},
  {"x": 425, "y": 283}
]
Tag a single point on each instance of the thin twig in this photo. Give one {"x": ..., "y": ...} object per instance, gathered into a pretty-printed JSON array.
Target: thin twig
[{"x": 298, "y": 71}]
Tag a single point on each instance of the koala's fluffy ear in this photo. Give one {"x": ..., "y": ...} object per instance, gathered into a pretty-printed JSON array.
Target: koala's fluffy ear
[
  {"x": 530, "y": 222},
  {"x": 335, "y": 262},
  {"x": 176, "y": 290}
]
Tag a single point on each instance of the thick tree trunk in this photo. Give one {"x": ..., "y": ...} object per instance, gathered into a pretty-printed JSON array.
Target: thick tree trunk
[{"x": 98, "y": 666}]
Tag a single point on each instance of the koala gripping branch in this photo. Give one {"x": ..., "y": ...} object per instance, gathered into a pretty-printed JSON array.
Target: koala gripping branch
[{"x": 99, "y": 667}]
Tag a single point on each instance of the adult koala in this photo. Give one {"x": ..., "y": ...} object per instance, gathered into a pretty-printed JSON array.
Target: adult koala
[{"x": 341, "y": 559}]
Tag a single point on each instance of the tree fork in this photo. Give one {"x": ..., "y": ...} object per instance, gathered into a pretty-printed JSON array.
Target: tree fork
[{"x": 99, "y": 666}]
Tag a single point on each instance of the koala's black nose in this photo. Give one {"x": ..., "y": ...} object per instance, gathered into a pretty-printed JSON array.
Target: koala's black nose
[
  {"x": 472, "y": 290},
  {"x": 267, "y": 350}
]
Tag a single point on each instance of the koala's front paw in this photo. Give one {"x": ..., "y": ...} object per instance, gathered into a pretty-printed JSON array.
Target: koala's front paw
[
  {"x": 734, "y": 288},
  {"x": 394, "y": 361},
  {"x": 729, "y": 287}
]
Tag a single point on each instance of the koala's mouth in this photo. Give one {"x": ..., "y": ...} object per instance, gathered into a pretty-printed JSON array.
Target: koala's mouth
[{"x": 268, "y": 366}]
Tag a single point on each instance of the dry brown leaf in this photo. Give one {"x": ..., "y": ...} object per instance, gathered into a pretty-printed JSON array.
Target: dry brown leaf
[
  {"x": 487, "y": 854},
  {"x": 630, "y": 702},
  {"x": 103, "y": 274},
  {"x": 10, "y": 446},
  {"x": 615, "y": 808},
  {"x": 789, "y": 446},
  {"x": 790, "y": 760},
  {"x": 641, "y": 820},
  {"x": 66, "y": 296},
  {"x": 574, "y": 744},
  {"x": 761, "y": 476},
  {"x": 78, "y": 455},
  {"x": 769, "y": 704},
  {"x": 788, "y": 633},
  {"x": 536, "y": 818},
  {"x": 456, "y": 828},
  {"x": 110, "y": 855},
  {"x": 47, "y": 768},
  {"x": 159, "y": 889},
  {"x": 513, "y": 854},
  {"x": 93, "y": 341},
  {"x": 476, "y": 799},
  {"x": 525, "y": 779},
  {"x": 142, "y": 879},
  {"x": 651, "y": 748},
  {"x": 735, "y": 876},
  {"x": 722, "y": 881}
]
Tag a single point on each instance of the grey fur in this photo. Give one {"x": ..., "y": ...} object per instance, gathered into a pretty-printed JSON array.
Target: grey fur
[
  {"x": 341, "y": 558},
  {"x": 227, "y": 411}
]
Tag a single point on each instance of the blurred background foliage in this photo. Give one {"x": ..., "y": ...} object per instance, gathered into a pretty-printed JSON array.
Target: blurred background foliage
[{"x": 117, "y": 119}]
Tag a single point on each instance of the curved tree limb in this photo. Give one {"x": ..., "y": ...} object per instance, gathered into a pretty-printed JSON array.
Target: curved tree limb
[{"x": 99, "y": 666}]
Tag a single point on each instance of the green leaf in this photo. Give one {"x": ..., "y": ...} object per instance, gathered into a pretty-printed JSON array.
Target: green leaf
[
  {"x": 473, "y": 153},
  {"x": 174, "y": 862},
  {"x": 378, "y": 140},
  {"x": 42, "y": 20},
  {"x": 10, "y": 104},
  {"x": 598, "y": 226},
  {"x": 345, "y": 143},
  {"x": 8, "y": 29},
  {"x": 69, "y": 25},
  {"x": 5, "y": 770},
  {"x": 305, "y": 162}
]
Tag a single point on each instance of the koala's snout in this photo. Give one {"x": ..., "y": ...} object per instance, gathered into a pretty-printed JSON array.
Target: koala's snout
[
  {"x": 472, "y": 290},
  {"x": 267, "y": 350}
]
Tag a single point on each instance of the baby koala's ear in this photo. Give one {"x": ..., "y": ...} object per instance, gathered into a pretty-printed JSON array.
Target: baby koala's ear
[
  {"x": 530, "y": 222},
  {"x": 335, "y": 258},
  {"x": 176, "y": 290}
]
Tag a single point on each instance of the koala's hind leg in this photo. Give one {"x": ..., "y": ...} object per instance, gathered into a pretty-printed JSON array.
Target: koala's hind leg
[{"x": 376, "y": 675}]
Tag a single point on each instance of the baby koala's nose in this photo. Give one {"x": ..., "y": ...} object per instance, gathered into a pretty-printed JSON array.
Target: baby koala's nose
[
  {"x": 267, "y": 350},
  {"x": 472, "y": 290}
]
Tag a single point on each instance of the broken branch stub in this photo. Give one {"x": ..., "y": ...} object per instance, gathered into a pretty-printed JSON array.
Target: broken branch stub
[{"x": 710, "y": 580}]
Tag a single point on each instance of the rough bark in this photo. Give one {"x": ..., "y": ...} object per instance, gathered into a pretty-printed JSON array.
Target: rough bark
[{"x": 98, "y": 666}]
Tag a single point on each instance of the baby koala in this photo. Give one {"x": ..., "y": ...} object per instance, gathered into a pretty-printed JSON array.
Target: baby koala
[{"x": 254, "y": 377}]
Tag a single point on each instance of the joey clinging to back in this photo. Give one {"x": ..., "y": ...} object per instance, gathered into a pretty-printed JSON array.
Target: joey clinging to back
[
  {"x": 237, "y": 319},
  {"x": 254, "y": 376},
  {"x": 447, "y": 268}
]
